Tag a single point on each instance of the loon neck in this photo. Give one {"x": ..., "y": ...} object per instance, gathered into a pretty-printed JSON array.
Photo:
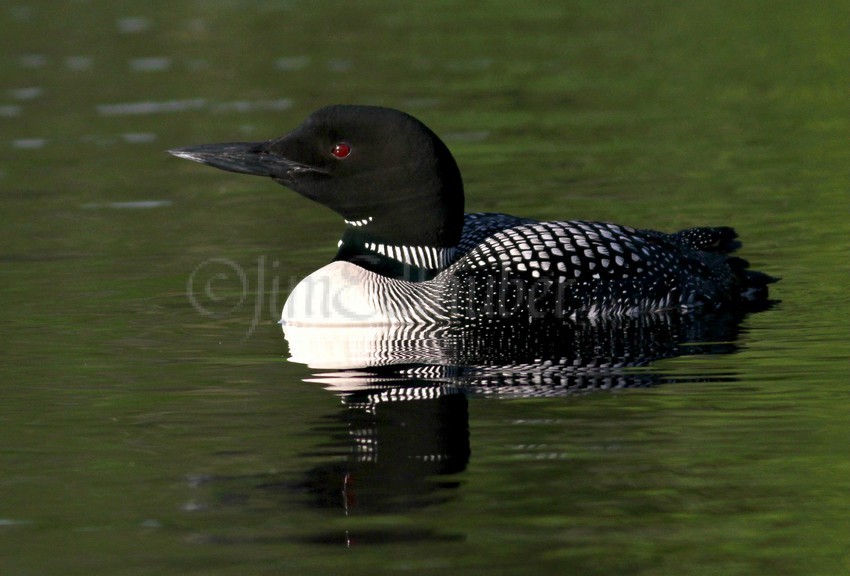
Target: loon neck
[{"x": 413, "y": 262}]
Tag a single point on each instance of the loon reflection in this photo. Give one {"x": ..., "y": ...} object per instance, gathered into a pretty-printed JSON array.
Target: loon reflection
[
  {"x": 540, "y": 358},
  {"x": 405, "y": 392},
  {"x": 393, "y": 447}
]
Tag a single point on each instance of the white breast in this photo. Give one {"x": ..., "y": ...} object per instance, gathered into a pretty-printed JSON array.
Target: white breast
[{"x": 340, "y": 294}]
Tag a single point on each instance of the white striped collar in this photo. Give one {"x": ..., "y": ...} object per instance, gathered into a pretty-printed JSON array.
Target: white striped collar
[
  {"x": 359, "y": 223},
  {"x": 428, "y": 257}
]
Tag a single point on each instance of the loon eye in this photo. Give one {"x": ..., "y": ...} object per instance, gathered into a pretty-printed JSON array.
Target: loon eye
[{"x": 341, "y": 150}]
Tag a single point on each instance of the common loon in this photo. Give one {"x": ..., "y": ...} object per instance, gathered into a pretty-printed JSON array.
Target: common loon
[{"x": 409, "y": 254}]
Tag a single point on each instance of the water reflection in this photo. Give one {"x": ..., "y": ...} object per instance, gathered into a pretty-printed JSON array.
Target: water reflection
[
  {"x": 395, "y": 443},
  {"x": 404, "y": 391},
  {"x": 492, "y": 355}
]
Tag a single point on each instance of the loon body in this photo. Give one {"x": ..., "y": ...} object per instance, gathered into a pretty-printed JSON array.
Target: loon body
[{"x": 409, "y": 254}]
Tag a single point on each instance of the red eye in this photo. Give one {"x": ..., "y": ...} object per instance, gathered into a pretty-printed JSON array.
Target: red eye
[{"x": 341, "y": 150}]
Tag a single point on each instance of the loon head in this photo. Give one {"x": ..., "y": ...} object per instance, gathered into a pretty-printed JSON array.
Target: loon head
[{"x": 390, "y": 177}]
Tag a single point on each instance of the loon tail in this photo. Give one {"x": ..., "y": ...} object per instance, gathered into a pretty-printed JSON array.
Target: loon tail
[
  {"x": 722, "y": 241},
  {"x": 754, "y": 291}
]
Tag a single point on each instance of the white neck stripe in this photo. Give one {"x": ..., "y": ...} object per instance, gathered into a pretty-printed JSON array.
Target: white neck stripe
[
  {"x": 358, "y": 223},
  {"x": 421, "y": 256}
]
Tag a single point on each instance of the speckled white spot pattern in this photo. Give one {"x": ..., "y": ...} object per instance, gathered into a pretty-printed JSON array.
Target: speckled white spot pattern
[{"x": 506, "y": 266}]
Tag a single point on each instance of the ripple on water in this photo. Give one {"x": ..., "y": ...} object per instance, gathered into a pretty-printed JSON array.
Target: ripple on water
[
  {"x": 473, "y": 136},
  {"x": 10, "y": 110},
  {"x": 133, "y": 24},
  {"x": 251, "y": 106},
  {"x": 79, "y": 63},
  {"x": 151, "y": 64},
  {"x": 131, "y": 205},
  {"x": 29, "y": 143},
  {"x": 138, "y": 108},
  {"x": 471, "y": 65},
  {"x": 292, "y": 63},
  {"x": 12, "y": 522},
  {"x": 29, "y": 93},
  {"x": 422, "y": 103},
  {"x": 21, "y": 13},
  {"x": 32, "y": 60},
  {"x": 138, "y": 137}
]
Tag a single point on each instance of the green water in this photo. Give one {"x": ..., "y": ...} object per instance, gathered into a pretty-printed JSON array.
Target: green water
[{"x": 139, "y": 435}]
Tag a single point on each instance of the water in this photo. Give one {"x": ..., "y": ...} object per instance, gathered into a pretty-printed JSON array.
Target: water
[{"x": 146, "y": 430}]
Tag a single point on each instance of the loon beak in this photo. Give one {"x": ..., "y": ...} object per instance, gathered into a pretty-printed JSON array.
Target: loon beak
[{"x": 245, "y": 158}]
